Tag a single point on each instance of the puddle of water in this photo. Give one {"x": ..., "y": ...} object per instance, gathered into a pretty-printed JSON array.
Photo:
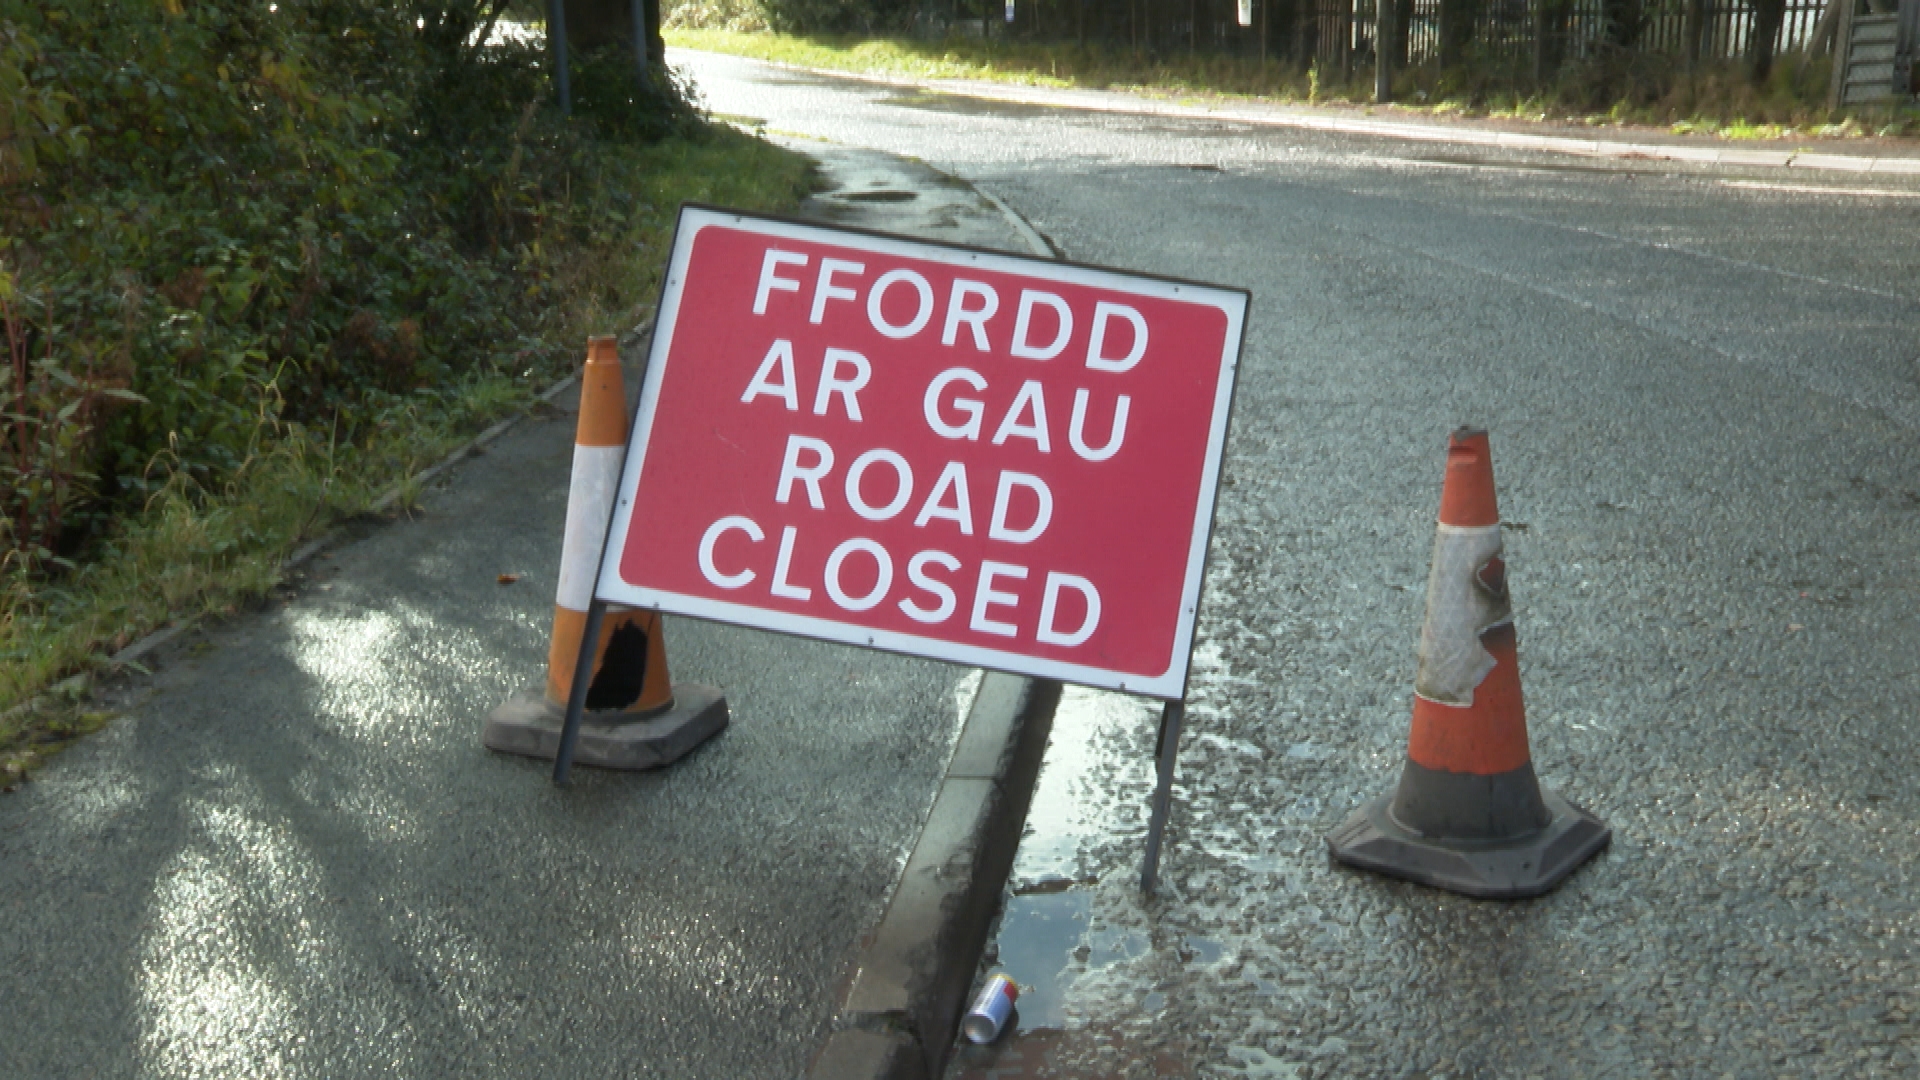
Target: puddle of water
[
  {"x": 1091, "y": 766},
  {"x": 1049, "y": 941},
  {"x": 1038, "y": 937},
  {"x": 1101, "y": 969},
  {"x": 1070, "y": 959},
  {"x": 1050, "y": 944}
]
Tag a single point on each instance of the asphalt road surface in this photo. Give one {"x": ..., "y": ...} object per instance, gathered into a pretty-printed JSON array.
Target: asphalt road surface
[{"x": 1703, "y": 388}]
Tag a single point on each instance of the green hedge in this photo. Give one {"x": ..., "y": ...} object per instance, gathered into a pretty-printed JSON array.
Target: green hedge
[{"x": 223, "y": 220}]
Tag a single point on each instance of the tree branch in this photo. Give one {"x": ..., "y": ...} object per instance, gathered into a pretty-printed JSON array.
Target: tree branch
[{"x": 494, "y": 11}]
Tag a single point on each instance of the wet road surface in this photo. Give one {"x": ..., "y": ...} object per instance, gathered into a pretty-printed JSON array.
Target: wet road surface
[{"x": 1703, "y": 387}]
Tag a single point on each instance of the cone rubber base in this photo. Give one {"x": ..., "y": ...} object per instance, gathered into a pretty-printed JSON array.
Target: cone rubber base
[
  {"x": 529, "y": 725},
  {"x": 1525, "y": 866}
]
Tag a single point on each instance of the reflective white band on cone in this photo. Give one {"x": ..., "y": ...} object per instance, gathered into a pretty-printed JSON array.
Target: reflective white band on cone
[
  {"x": 1461, "y": 607},
  {"x": 596, "y": 475}
]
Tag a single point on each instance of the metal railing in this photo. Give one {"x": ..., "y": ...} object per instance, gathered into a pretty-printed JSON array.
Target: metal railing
[{"x": 1338, "y": 35}]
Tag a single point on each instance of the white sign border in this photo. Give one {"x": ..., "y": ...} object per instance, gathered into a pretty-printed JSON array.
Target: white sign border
[{"x": 1168, "y": 685}]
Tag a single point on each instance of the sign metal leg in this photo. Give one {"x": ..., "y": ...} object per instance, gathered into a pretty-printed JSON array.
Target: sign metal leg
[
  {"x": 1166, "y": 753},
  {"x": 577, "y": 694}
]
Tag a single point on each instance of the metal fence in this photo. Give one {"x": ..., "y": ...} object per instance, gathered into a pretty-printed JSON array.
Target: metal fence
[{"x": 1338, "y": 35}]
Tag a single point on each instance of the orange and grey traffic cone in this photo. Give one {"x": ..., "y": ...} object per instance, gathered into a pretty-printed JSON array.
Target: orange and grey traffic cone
[
  {"x": 636, "y": 716},
  {"x": 1468, "y": 814}
]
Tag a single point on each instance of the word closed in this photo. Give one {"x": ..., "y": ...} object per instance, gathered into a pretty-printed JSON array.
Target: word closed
[{"x": 952, "y": 453}]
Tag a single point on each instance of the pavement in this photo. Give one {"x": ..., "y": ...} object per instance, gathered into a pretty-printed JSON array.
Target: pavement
[{"x": 290, "y": 856}]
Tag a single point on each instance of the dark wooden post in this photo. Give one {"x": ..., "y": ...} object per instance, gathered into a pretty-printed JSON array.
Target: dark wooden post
[
  {"x": 1549, "y": 39},
  {"x": 557, "y": 44},
  {"x": 1767, "y": 15},
  {"x": 1456, "y": 29},
  {"x": 1384, "y": 23},
  {"x": 637, "y": 9}
]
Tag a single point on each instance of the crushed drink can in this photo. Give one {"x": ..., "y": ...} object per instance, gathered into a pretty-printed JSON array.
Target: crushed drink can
[{"x": 988, "y": 1016}]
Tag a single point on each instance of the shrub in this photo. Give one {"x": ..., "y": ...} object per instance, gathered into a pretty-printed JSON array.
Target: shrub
[{"x": 226, "y": 217}]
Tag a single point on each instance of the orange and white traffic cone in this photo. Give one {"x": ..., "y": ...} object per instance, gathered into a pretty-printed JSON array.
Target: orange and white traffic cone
[
  {"x": 636, "y": 716},
  {"x": 1468, "y": 814}
]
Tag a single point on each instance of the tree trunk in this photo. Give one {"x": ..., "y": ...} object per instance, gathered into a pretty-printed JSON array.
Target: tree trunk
[
  {"x": 1767, "y": 15},
  {"x": 597, "y": 24},
  {"x": 1278, "y": 17},
  {"x": 1623, "y": 22},
  {"x": 656, "y": 45},
  {"x": 1456, "y": 30},
  {"x": 1549, "y": 39},
  {"x": 1306, "y": 32},
  {"x": 1693, "y": 29}
]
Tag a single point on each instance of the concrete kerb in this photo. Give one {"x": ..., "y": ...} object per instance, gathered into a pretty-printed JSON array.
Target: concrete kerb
[
  {"x": 902, "y": 1009},
  {"x": 911, "y": 980},
  {"x": 1041, "y": 246},
  {"x": 1109, "y": 102}
]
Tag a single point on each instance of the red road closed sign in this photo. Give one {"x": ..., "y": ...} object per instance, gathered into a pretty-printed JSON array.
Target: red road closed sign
[{"x": 941, "y": 451}]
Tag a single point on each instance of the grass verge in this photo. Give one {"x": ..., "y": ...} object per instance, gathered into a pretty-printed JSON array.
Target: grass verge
[
  {"x": 1721, "y": 103},
  {"x": 194, "y": 551}
]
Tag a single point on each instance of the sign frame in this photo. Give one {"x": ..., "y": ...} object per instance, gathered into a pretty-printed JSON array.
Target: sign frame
[
  {"x": 1166, "y": 685},
  {"x": 1169, "y": 686}
]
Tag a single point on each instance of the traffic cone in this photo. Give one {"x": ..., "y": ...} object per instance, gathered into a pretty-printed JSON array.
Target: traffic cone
[
  {"x": 1468, "y": 814},
  {"x": 636, "y": 716}
]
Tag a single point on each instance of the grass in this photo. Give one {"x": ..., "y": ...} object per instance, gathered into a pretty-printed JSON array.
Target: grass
[
  {"x": 194, "y": 552},
  {"x": 1020, "y": 62},
  {"x": 1720, "y": 103}
]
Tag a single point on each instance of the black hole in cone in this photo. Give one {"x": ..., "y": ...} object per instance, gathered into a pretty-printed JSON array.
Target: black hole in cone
[{"x": 623, "y": 671}]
